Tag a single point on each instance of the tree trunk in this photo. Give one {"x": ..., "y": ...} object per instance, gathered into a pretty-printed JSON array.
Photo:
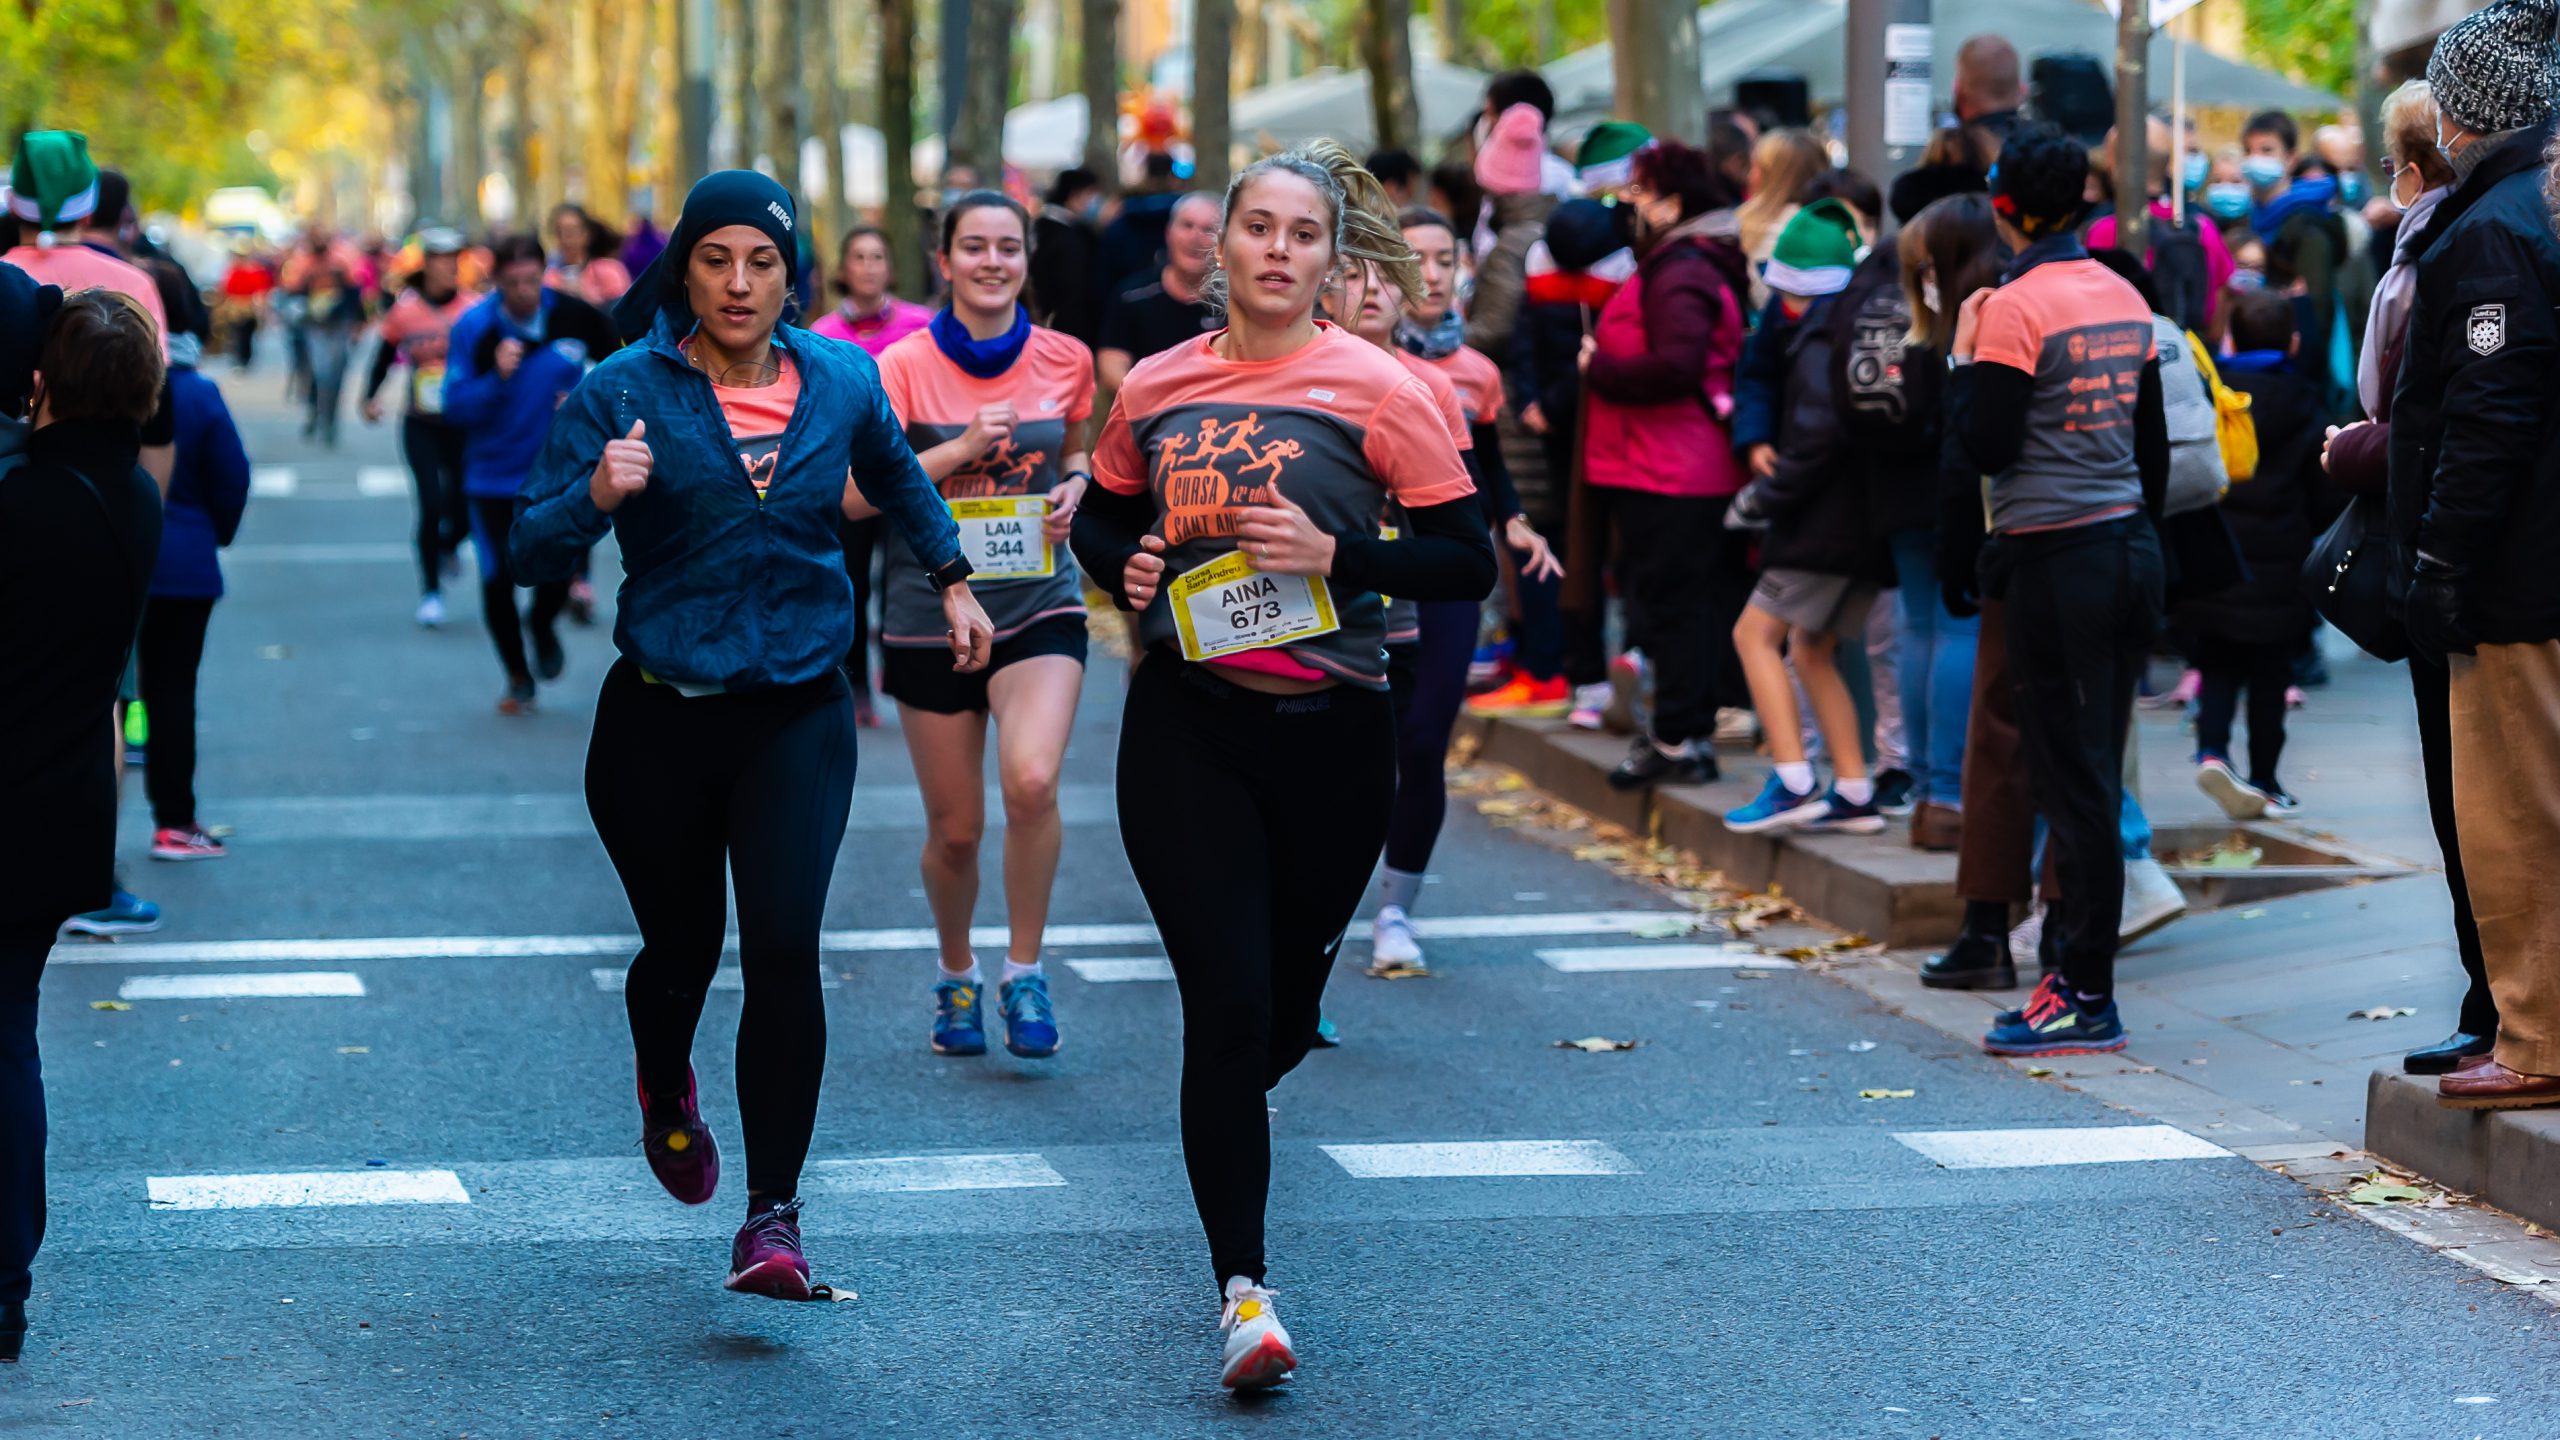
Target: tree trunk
[
  {"x": 898, "y": 142},
  {"x": 1386, "y": 47},
  {"x": 1253, "y": 42},
  {"x": 1098, "y": 51},
  {"x": 778, "y": 91},
  {"x": 587, "y": 114},
  {"x": 977, "y": 130},
  {"x": 2133, "y": 99},
  {"x": 515, "y": 155},
  {"x": 672, "y": 125},
  {"x": 1212, "y": 41},
  {"x": 1656, "y": 55},
  {"x": 1451, "y": 20},
  {"x": 468, "y": 159},
  {"x": 733, "y": 126},
  {"x": 823, "y": 193},
  {"x": 626, "y": 66}
]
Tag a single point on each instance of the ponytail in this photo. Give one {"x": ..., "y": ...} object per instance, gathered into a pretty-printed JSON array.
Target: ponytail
[{"x": 1366, "y": 230}]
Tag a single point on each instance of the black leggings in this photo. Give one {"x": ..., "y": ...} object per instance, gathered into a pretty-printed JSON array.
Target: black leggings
[
  {"x": 434, "y": 452},
  {"x": 861, "y": 546},
  {"x": 168, "y": 654},
  {"x": 1426, "y": 713},
  {"x": 23, "y": 949},
  {"x": 491, "y": 520},
  {"x": 1252, "y": 822},
  {"x": 2226, "y": 667},
  {"x": 690, "y": 795}
]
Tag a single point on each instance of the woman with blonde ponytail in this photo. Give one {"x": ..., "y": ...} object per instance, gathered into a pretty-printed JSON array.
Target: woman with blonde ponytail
[{"x": 1239, "y": 481}]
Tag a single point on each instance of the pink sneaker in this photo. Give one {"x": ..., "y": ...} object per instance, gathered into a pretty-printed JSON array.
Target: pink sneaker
[
  {"x": 2294, "y": 699},
  {"x": 683, "y": 1155},
  {"x": 2178, "y": 696},
  {"x": 765, "y": 1259},
  {"x": 186, "y": 843}
]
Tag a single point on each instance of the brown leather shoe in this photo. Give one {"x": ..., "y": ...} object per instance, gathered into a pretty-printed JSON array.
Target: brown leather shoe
[
  {"x": 1936, "y": 827},
  {"x": 2487, "y": 1085}
]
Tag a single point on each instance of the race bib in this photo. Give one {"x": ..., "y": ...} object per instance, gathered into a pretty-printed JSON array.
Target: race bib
[
  {"x": 430, "y": 391},
  {"x": 1001, "y": 536},
  {"x": 1227, "y": 606}
]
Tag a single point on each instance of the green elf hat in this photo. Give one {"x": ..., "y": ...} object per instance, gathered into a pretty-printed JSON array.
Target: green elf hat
[
  {"x": 1607, "y": 158},
  {"x": 53, "y": 182},
  {"x": 1816, "y": 251}
]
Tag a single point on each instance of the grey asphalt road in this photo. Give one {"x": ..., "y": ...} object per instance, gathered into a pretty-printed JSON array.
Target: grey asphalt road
[{"x": 1741, "y": 1245}]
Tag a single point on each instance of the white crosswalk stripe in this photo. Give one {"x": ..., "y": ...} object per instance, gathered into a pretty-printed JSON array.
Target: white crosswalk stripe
[
  {"x": 307, "y": 1188},
  {"x": 1739, "y": 955},
  {"x": 1122, "y": 971},
  {"x": 1444, "y": 1159},
  {"x": 287, "y": 985},
  {"x": 2081, "y": 1145},
  {"x": 274, "y": 481},
  {"x": 377, "y": 480}
]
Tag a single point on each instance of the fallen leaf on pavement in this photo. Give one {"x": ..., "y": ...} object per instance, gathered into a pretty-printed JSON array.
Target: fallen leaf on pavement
[
  {"x": 1399, "y": 970},
  {"x": 1886, "y": 1094},
  {"x": 2039, "y": 1071},
  {"x": 2381, "y": 1193},
  {"x": 2255, "y": 913},
  {"x": 1603, "y": 853},
  {"x": 1597, "y": 1044},
  {"x": 1502, "y": 807},
  {"x": 108, "y": 1005},
  {"x": 2242, "y": 859},
  {"x": 1669, "y": 927},
  {"x": 2381, "y": 1012}
]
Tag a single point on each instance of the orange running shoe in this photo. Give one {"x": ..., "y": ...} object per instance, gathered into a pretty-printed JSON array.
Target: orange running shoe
[{"x": 1522, "y": 696}]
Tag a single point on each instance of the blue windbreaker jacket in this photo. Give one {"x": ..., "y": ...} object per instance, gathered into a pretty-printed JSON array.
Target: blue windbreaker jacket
[{"x": 720, "y": 586}]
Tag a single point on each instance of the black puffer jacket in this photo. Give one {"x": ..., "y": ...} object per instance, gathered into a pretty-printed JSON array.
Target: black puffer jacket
[
  {"x": 2475, "y": 420},
  {"x": 1816, "y": 503},
  {"x": 2273, "y": 516},
  {"x": 1889, "y": 394}
]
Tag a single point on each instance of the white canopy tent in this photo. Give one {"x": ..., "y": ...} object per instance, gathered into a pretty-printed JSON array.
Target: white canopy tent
[
  {"x": 1736, "y": 37},
  {"x": 1334, "y": 104}
]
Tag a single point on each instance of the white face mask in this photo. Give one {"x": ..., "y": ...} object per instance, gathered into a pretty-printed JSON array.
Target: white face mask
[{"x": 2444, "y": 147}]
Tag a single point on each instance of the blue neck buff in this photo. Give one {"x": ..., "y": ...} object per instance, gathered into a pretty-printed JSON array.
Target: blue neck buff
[
  {"x": 984, "y": 359},
  {"x": 1434, "y": 342}
]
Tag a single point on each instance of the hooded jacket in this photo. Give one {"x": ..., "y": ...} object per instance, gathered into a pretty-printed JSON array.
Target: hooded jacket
[
  {"x": 2475, "y": 418},
  {"x": 1660, "y": 386}
]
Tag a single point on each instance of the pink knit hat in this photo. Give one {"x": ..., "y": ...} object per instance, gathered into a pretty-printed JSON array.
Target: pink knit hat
[{"x": 1508, "y": 162}]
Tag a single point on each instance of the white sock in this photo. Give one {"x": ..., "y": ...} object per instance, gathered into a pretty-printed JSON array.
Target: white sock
[
  {"x": 1856, "y": 792},
  {"x": 1796, "y": 775},
  {"x": 1681, "y": 751},
  {"x": 1013, "y": 972},
  {"x": 969, "y": 976}
]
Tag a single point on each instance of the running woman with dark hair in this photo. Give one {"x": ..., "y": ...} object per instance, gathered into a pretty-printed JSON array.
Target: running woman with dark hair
[
  {"x": 998, "y": 410},
  {"x": 1241, "y": 480},
  {"x": 717, "y": 449}
]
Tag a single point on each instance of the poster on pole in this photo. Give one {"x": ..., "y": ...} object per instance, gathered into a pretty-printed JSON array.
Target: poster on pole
[{"x": 1907, "y": 114}]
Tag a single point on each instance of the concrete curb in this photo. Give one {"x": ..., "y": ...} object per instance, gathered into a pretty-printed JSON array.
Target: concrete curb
[{"x": 2510, "y": 1158}]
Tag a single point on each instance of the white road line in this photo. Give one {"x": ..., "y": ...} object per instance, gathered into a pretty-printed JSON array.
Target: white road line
[
  {"x": 307, "y": 1188},
  {"x": 1114, "y": 972},
  {"x": 291, "y": 985},
  {"x": 135, "y": 955},
  {"x": 2080, "y": 1145},
  {"x": 561, "y": 814},
  {"x": 376, "y": 480},
  {"x": 903, "y": 1174},
  {"x": 273, "y": 481},
  {"x": 1739, "y": 955},
  {"x": 1453, "y": 1158},
  {"x": 355, "y": 553},
  {"x": 612, "y": 980}
]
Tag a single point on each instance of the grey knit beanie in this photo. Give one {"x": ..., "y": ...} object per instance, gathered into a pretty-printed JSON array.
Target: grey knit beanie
[{"x": 2499, "y": 68}]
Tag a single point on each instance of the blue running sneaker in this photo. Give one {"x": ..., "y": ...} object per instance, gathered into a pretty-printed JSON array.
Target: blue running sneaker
[
  {"x": 1777, "y": 808},
  {"x": 126, "y": 914},
  {"x": 958, "y": 1028},
  {"x": 1327, "y": 1038},
  {"x": 2055, "y": 1024},
  {"x": 1839, "y": 817},
  {"x": 1030, "y": 1026}
]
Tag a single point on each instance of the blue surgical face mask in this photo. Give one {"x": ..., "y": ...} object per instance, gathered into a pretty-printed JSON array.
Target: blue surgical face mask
[
  {"x": 2263, "y": 171},
  {"x": 2228, "y": 200},
  {"x": 2352, "y": 187},
  {"x": 2193, "y": 170}
]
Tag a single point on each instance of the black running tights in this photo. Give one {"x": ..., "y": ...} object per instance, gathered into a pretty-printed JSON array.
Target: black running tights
[
  {"x": 490, "y": 522},
  {"x": 1252, "y": 822},
  {"x": 690, "y": 794}
]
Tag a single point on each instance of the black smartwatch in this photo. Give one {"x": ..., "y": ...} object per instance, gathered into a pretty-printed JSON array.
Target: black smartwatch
[
  {"x": 1084, "y": 475},
  {"x": 950, "y": 573}
]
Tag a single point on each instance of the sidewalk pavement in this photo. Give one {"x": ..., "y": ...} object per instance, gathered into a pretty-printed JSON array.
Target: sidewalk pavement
[{"x": 2241, "y": 1014}]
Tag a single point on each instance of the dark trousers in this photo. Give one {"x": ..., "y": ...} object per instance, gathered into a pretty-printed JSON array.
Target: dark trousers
[
  {"x": 692, "y": 794},
  {"x": 1585, "y": 628},
  {"x": 1689, "y": 577},
  {"x": 861, "y": 549},
  {"x": 1251, "y": 822},
  {"x": 433, "y": 449},
  {"x": 1428, "y": 697},
  {"x": 168, "y": 653},
  {"x": 2432, "y": 686},
  {"x": 2227, "y": 668},
  {"x": 23, "y": 949},
  {"x": 2081, "y": 607},
  {"x": 491, "y": 519}
]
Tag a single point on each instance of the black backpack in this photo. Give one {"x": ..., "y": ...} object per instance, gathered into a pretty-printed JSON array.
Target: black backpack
[
  {"x": 1888, "y": 395},
  {"x": 2178, "y": 273}
]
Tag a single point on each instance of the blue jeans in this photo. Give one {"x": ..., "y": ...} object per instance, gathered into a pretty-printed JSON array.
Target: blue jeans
[{"x": 1936, "y": 671}]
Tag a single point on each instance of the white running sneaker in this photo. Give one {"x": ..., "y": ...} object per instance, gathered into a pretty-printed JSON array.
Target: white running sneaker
[
  {"x": 1590, "y": 704},
  {"x": 431, "y": 612},
  {"x": 1392, "y": 942},
  {"x": 1257, "y": 1353},
  {"x": 2151, "y": 899},
  {"x": 2028, "y": 938}
]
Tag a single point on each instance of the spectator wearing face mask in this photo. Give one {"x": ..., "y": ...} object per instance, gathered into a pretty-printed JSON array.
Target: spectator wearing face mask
[{"x": 2296, "y": 217}]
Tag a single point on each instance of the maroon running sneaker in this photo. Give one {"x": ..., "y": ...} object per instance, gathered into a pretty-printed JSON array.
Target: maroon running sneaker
[
  {"x": 765, "y": 1259},
  {"x": 682, "y": 1155}
]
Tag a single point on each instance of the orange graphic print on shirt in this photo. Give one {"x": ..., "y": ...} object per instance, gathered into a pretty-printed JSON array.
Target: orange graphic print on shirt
[
  {"x": 1203, "y": 475},
  {"x": 1006, "y": 469}
]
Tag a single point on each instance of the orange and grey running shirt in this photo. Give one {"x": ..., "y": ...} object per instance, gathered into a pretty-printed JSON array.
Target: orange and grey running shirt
[
  {"x": 2082, "y": 335},
  {"x": 1478, "y": 382},
  {"x": 1340, "y": 428},
  {"x": 994, "y": 497},
  {"x": 1404, "y": 619}
]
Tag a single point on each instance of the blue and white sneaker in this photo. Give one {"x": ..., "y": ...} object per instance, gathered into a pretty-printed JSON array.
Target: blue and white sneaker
[
  {"x": 1840, "y": 817},
  {"x": 2053, "y": 1023},
  {"x": 1030, "y": 1025},
  {"x": 958, "y": 1026},
  {"x": 126, "y": 914},
  {"x": 1776, "y": 809}
]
